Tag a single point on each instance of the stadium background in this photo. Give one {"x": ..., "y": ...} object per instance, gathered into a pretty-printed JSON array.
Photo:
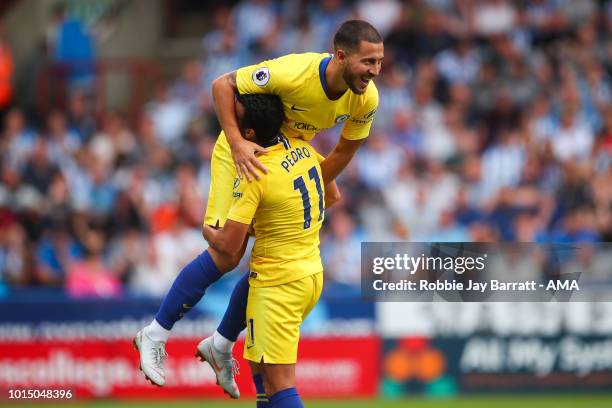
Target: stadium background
[{"x": 495, "y": 124}]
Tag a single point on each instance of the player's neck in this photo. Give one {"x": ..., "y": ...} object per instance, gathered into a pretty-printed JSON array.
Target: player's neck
[{"x": 336, "y": 87}]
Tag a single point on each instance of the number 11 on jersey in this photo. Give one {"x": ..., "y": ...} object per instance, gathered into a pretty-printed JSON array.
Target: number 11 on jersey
[{"x": 299, "y": 184}]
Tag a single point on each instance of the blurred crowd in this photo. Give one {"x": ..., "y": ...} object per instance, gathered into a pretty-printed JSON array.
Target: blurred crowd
[{"x": 494, "y": 124}]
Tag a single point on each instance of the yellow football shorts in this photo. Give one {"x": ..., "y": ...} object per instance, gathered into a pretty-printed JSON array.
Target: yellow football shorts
[
  {"x": 222, "y": 177},
  {"x": 274, "y": 315}
]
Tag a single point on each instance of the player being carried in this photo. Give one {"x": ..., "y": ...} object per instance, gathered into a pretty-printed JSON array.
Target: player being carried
[{"x": 318, "y": 91}]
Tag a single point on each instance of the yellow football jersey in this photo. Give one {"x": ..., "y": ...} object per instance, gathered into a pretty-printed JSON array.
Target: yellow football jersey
[
  {"x": 299, "y": 81},
  {"x": 286, "y": 207}
]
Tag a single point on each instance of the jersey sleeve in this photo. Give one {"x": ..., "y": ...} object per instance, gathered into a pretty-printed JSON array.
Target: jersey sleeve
[
  {"x": 359, "y": 124},
  {"x": 267, "y": 77},
  {"x": 246, "y": 199}
]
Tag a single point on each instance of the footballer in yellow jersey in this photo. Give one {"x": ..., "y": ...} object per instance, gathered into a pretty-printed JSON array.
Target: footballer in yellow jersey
[
  {"x": 318, "y": 91},
  {"x": 285, "y": 208},
  {"x": 299, "y": 80}
]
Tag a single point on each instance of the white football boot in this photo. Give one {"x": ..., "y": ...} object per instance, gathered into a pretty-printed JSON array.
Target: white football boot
[
  {"x": 152, "y": 357},
  {"x": 223, "y": 364}
]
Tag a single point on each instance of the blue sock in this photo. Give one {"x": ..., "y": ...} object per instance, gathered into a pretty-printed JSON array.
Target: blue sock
[
  {"x": 261, "y": 398},
  {"x": 234, "y": 319},
  {"x": 287, "y": 398},
  {"x": 187, "y": 289}
]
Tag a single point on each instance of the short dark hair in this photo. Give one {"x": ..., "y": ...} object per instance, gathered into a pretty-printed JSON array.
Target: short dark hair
[
  {"x": 263, "y": 113},
  {"x": 352, "y": 32}
]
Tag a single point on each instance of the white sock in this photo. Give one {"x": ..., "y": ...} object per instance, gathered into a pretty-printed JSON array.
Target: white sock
[
  {"x": 221, "y": 343},
  {"x": 156, "y": 332}
]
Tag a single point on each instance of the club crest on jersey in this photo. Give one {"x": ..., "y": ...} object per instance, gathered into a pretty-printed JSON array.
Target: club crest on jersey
[
  {"x": 261, "y": 76},
  {"x": 342, "y": 118},
  {"x": 236, "y": 183}
]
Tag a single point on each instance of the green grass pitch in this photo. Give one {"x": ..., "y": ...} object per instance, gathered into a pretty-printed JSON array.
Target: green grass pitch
[{"x": 545, "y": 401}]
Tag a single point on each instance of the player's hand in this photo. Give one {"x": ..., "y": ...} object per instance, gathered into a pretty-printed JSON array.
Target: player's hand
[{"x": 243, "y": 154}]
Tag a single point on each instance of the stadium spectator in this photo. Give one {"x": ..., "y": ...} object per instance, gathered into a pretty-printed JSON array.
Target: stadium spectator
[
  {"x": 13, "y": 254},
  {"x": 405, "y": 133},
  {"x": 494, "y": 17},
  {"x": 56, "y": 253},
  {"x": 80, "y": 117},
  {"x": 17, "y": 140},
  {"x": 220, "y": 48},
  {"x": 254, "y": 20},
  {"x": 502, "y": 164},
  {"x": 74, "y": 47},
  {"x": 40, "y": 169},
  {"x": 90, "y": 277},
  {"x": 394, "y": 85},
  {"x": 189, "y": 88},
  {"x": 382, "y": 14},
  {"x": 573, "y": 138},
  {"x": 114, "y": 143},
  {"x": 460, "y": 63},
  {"x": 63, "y": 143},
  {"x": 325, "y": 17},
  {"x": 169, "y": 114},
  {"x": 379, "y": 162}
]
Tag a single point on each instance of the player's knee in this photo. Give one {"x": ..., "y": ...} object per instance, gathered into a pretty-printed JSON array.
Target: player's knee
[
  {"x": 276, "y": 385},
  {"x": 266, "y": 385},
  {"x": 278, "y": 377}
]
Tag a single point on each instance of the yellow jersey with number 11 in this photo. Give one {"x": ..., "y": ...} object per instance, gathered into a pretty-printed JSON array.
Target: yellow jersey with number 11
[{"x": 286, "y": 207}]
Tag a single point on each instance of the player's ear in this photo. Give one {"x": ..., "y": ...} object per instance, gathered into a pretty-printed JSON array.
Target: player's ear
[
  {"x": 341, "y": 55},
  {"x": 249, "y": 134}
]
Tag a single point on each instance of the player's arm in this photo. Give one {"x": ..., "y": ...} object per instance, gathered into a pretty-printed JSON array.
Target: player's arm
[
  {"x": 226, "y": 245},
  {"x": 354, "y": 133},
  {"x": 339, "y": 158},
  {"x": 224, "y": 89},
  {"x": 332, "y": 194}
]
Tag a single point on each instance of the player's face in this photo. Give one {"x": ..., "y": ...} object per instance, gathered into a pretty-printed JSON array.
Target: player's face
[{"x": 362, "y": 66}]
